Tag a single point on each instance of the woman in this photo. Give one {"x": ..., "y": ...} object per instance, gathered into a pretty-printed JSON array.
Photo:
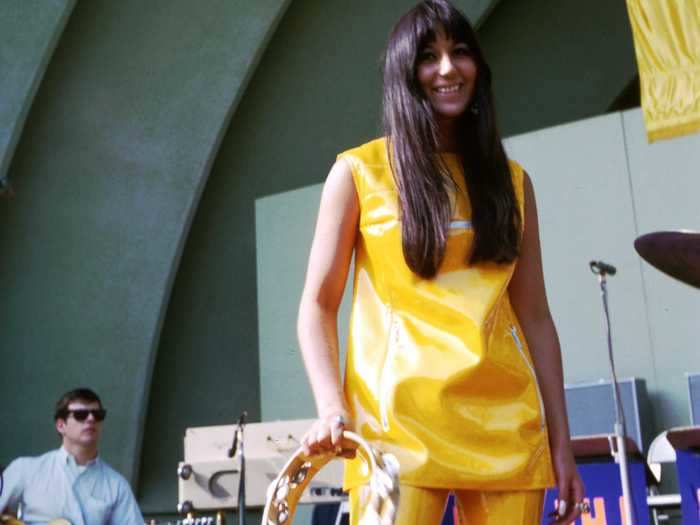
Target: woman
[{"x": 450, "y": 331}]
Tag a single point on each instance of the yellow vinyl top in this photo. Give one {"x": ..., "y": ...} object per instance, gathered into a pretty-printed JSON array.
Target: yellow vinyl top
[{"x": 438, "y": 371}]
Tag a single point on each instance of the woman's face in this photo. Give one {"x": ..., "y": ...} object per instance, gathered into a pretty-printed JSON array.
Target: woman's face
[{"x": 447, "y": 73}]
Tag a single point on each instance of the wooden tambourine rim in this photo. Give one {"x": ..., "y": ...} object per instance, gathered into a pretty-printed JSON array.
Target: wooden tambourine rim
[{"x": 284, "y": 492}]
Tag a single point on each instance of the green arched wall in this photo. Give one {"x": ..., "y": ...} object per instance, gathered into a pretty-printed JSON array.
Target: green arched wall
[
  {"x": 29, "y": 32},
  {"x": 108, "y": 172}
]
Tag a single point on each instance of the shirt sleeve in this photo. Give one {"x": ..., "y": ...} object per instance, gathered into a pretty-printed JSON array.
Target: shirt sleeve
[
  {"x": 126, "y": 510},
  {"x": 12, "y": 486}
]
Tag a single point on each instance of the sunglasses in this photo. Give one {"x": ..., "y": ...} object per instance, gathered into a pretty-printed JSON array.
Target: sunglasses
[{"x": 81, "y": 414}]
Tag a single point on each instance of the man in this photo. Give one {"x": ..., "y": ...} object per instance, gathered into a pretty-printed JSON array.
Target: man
[{"x": 71, "y": 482}]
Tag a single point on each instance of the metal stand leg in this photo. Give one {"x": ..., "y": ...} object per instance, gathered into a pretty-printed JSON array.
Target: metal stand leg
[{"x": 602, "y": 269}]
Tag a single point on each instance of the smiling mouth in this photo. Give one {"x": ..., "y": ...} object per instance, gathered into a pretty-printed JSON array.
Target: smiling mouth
[{"x": 446, "y": 90}]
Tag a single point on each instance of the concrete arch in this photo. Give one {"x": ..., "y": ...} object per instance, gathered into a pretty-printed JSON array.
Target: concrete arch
[
  {"x": 29, "y": 32},
  {"x": 108, "y": 172}
]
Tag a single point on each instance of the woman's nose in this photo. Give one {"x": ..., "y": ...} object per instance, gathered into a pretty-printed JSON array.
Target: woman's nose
[{"x": 446, "y": 65}]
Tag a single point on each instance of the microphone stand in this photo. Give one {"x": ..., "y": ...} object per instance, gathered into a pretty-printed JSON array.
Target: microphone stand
[
  {"x": 237, "y": 449},
  {"x": 602, "y": 270}
]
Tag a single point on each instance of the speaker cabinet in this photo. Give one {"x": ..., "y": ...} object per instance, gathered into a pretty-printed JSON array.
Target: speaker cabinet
[{"x": 591, "y": 409}]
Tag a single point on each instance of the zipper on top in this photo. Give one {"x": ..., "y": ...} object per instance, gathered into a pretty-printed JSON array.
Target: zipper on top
[
  {"x": 519, "y": 345},
  {"x": 384, "y": 385}
]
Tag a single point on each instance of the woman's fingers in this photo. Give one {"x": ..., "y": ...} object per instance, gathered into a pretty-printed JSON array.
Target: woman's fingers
[
  {"x": 570, "y": 501},
  {"x": 579, "y": 490},
  {"x": 337, "y": 426},
  {"x": 318, "y": 439},
  {"x": 305, "y": 443},
  {"x": 312, "y": 442},
  {"x": 563, "y": 506},
  {"x": 325, "y": 435}
]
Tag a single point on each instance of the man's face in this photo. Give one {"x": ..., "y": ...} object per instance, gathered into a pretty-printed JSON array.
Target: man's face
[{"x": 80, "y": 433}]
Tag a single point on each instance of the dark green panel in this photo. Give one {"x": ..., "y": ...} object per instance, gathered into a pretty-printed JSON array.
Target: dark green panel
[
  {"x": 108, "y": 172},
  {"x": 555, "y": 62},
  {"x": 29, "y": 31}
]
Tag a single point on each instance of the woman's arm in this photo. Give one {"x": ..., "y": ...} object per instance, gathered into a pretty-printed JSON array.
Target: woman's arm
[
  {"x": 527, "y": 295},
  {"x": 329, "y": 261}
]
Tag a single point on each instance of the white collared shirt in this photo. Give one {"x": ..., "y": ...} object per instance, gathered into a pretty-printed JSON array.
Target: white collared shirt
[{"x": 54, "y": 486}]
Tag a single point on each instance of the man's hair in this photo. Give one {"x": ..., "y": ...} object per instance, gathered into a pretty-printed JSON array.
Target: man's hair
[{"x": 79, "y": 394}]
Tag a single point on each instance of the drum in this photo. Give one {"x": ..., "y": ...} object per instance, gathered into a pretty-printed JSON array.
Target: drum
[{"x": 380, "y": 495}]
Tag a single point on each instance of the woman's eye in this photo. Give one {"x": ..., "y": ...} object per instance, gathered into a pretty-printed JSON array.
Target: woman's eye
[
  {"x": 427, "y": 56},
  {"x": 462, "y": 51}
]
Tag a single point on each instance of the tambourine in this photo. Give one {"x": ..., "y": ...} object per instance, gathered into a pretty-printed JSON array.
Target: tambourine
[{"x": 380, "y": 497}]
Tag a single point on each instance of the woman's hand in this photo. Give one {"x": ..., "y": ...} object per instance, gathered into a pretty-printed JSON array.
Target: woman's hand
[
  {"x": 326, "y": 433},
  {"x": 571, "y": 490}
]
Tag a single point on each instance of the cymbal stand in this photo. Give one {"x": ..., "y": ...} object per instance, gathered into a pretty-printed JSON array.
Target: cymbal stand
[{"x": 602, "y": 270}]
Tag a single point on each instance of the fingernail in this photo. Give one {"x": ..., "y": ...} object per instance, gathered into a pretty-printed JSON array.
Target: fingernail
[{"x": 562, "y": 507}]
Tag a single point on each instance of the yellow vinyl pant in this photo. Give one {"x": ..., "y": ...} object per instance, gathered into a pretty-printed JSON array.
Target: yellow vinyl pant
[{"x": 425, "y": 506}]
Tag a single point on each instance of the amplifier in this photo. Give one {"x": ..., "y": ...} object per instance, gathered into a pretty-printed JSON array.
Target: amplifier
[
  {"x": 591, "y": 409},
  {"x": 694, "y": 398},
  {"x": 208, "y": 479}
]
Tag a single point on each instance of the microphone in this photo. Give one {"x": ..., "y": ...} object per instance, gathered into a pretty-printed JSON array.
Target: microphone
[{"x": 601, "y": 268}]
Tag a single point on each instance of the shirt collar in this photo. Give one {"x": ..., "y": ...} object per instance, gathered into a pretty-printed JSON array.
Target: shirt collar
[{"x": 68, "y": 459}]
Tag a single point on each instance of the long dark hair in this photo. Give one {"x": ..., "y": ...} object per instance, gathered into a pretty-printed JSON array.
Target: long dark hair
[{"x": 421, "y": 177}]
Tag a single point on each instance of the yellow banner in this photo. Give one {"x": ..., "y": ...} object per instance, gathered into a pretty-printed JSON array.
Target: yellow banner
[{"x": 667, "y": 45}]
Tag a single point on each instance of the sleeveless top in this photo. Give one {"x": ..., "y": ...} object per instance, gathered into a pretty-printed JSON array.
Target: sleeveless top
[{"x": 438, "y": 371}]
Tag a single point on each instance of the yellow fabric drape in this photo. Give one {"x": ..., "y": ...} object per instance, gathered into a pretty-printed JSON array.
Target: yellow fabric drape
[{"x": 667, "y": 45}]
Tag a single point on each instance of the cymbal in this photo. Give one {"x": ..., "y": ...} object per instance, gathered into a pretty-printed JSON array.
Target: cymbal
[{"x": 676, "y": 253}]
